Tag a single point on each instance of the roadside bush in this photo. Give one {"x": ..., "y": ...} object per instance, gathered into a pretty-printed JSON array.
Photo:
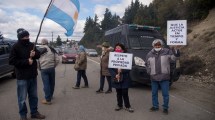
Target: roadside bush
[{"x": 191, "y": 65}]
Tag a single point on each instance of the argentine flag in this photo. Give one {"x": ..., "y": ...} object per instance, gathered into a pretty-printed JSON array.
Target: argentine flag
[{"x": 65, "y": 13}]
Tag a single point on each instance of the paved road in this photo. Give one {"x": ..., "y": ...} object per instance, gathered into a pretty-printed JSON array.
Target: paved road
[{"x": 85, "y": 104}]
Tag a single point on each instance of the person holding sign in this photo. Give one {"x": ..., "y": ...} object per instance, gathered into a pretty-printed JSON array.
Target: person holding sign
[
  {"x": 104, "y": 72},
  {"x": 158, "y": 67},
  {"x": 120, "y": 81}
]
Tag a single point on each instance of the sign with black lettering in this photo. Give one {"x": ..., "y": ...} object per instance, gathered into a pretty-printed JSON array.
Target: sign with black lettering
[
  {"x": 177, "y": 32},
  {"x": 120, "y": 60}
]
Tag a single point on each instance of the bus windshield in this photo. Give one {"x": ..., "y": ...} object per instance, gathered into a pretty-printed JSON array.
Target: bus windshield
[{"x": 140, "y": 42}]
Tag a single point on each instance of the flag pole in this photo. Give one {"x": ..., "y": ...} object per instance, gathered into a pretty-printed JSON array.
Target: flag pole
[{"x": 42, "y": 23}]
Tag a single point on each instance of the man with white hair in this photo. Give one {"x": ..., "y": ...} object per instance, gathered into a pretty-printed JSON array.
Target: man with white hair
[
  {"x": 47, "y": 63},
  {"x": 158, "y": 67}
]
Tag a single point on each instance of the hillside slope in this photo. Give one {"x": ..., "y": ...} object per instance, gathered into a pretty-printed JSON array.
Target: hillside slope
[{"x": 198, "y": 57}]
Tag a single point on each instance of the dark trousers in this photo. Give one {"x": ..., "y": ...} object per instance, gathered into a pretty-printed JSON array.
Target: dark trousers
[
  {"x": 122, "y": 95},
  {"x": 81, "y": 73},
  {"x": 102, "y": 82}
]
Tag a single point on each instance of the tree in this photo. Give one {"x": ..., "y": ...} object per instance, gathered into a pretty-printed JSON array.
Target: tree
[
  {"x": 169, "y": 10},
  {"x": 198, "y": 9},
  {"x": 106, "y": 22},
  {"x": 1, "y": 36},
  {"x": 130, "y": 12},
  {"x": 59, "y": 42},
  {"x": 89, "y": 23}
]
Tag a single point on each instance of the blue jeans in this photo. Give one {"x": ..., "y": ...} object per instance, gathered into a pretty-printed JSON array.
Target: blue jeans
[
  {"x": 102, "y": 82},
  {"x": 165, "y": 93},
  {"x": 24, "y": 88},
  {"x": 48, "y": 77},
  {"x": 81, "y": 73}
]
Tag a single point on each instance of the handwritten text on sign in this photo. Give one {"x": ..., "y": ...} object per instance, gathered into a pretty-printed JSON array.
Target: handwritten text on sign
[
  {"x": 177, "y": 32},
  {"x": 120, "y": 60}
]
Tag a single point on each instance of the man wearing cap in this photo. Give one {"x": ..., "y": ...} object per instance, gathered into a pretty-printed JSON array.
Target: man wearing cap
[
  {"x": 23, "y": 56},
  {"x": 104, "y": 72},
  {"x": 158, "y": 67},
  {"x": 47, "y": 63}
]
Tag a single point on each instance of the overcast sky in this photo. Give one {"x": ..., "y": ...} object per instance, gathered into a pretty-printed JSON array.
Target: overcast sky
[{"x": 28, "y": 14}]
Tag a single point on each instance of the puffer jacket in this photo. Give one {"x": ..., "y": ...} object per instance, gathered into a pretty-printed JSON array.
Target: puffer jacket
[
  {"x": 158, "y": 63},
  {"x": 81, "y": 60}
]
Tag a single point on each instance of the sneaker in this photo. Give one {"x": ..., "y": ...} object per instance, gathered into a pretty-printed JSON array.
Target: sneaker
[
  {"x": 109, "y": 91},
  {"x": 152, "y": 109},
  {"x": 86, "y": 86},
  {"x": 76, "y": 87},
  {"x": 118, "y": 108},
  {"x": 23, "y": 118},
  {"x": 38, "y": 116},
  {"x": 129, "y": 109},
  {"x": 99, "y": 91},
  {"x": 46, "y": 102},
  {"x": 165, "y": 111}
]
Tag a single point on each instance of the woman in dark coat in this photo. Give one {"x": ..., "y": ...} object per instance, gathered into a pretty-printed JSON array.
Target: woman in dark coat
[
  {"x": 121, "y": 82},
  {"x": 104, "y": 72}
]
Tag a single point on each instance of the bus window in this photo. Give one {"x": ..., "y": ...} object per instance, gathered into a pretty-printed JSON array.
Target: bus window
[
  {"x": 146, "y": 41},
  {"x": 134, "y": 42}
]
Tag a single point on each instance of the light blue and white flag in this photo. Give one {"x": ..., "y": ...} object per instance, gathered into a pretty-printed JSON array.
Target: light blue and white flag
[{"x": 65, "y": 13}]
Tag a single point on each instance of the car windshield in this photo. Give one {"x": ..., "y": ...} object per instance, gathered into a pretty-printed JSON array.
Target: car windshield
[
  {"x": 141, "y": 42},
  {"x": 70, "y": 52},
  {"x": 91, "y": 50}
]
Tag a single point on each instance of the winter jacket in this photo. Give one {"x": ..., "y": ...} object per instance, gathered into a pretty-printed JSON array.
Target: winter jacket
[
  {"x": 81, "y": 60},
  {"x": 19, "y": 56},
  {"x": 158, "y": 63},
  {"x": 124, "y": 76},
  {"x": 104, "y": 64},
  {"x": 48, "y": 59}
]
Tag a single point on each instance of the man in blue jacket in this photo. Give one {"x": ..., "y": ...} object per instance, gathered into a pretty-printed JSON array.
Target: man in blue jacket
[
  {"x": 23, "y": 56},
  {"x": 158, "y": 67}
]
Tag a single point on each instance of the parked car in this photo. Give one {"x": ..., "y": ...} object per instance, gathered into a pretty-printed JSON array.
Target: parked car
[
  {"x": 69, "y": 56},
  {"x": 59, "y": 51},
  {"x": 92, "y": 52},
  {"x": 5, "y": 68}
]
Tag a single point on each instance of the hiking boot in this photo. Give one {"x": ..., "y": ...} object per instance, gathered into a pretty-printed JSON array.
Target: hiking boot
[
  {"x": 23, "y": 118},
  {"x": 86, "y": 86},
  {"x": 165, "y": 111},
  {"x": 109, "y": 91},
  {"x": 153, "y": 109},
  {"x": 99, "y": 91},
  {"x": 38, "y": 116},
  {"x": 76, "y": 87},
  {"x": 129, "y": 109},
  {"x": 46, "y": 102},
  {"x": 118, "y": 108}
]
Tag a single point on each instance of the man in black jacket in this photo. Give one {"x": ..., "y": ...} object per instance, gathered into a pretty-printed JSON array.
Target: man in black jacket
[{"x": 23, "y": 56}]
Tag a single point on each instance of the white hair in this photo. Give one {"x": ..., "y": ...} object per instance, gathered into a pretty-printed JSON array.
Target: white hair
[
  {"x": 157, "y": 41},
  {"x": 44, "y": 41}
]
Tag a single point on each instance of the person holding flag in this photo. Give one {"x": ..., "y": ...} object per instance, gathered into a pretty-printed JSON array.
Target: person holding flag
[{"x": 23, "y": 56}]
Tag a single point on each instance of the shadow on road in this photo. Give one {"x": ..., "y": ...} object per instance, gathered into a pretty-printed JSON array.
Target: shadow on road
[{"x": 6, "y": 79}]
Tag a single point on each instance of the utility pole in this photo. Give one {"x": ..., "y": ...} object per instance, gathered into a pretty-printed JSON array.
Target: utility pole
[{"x": 52, "y": 40}]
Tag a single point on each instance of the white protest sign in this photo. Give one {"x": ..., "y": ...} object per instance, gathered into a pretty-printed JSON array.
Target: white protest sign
[
  {"x": 177, "y": 32},
  {"x": 120, "y": 60}
]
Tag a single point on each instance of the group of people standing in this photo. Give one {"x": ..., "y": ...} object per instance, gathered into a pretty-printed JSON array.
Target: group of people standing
[{"x": 24, "y": 57}]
